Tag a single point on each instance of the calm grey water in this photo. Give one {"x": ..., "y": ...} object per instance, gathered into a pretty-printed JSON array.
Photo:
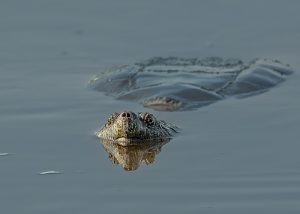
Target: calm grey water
[{"x": 236, "y": 156}]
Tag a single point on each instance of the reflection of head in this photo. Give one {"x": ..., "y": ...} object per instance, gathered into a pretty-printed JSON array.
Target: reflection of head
[
  {"x": 130, "y": 157},
  {"x": 150, "y": 157}
]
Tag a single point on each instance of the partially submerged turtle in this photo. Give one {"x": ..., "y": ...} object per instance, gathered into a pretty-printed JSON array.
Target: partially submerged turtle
[
  {"x": 128, "y": 128},
  {"x": 173, "y": 83}
]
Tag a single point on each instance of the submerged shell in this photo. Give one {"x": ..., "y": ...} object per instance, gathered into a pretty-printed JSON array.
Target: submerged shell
[{"x": 173, "y": 83}]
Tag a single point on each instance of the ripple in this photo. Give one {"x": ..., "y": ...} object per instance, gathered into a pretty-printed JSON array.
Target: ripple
[
  {"x": 5, "y": 154},
  {"x": 50, "y": 172}
]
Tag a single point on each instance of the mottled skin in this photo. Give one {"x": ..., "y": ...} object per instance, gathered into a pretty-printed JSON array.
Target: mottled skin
[{"x": 128, "y": 128}]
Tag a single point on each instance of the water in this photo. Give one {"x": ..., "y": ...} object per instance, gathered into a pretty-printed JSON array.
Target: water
[{"x": 235, "y": 156}]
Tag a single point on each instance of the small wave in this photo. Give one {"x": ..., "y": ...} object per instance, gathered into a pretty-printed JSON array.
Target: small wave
[
  {"x": 4, "y": 154},
  {"x": 50, "y": 172}
]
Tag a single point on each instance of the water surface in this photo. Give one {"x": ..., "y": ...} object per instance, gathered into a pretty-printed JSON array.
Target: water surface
[{"x": 235, "y": 156}]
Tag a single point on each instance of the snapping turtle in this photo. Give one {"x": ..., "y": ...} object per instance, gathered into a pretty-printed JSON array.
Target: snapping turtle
[
  {"x": 172, "y": 83},
  {"x": 127, "y": 128}
]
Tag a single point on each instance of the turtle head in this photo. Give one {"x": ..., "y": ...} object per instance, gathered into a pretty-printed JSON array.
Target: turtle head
[{"x": 129, "y": 125}]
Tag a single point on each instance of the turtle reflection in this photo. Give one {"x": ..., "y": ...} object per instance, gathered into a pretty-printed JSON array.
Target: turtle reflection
[{"x": 132, "y": 156}]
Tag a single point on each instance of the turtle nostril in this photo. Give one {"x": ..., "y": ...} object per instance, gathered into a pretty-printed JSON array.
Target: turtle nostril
[{"x": 125, "y": 114}]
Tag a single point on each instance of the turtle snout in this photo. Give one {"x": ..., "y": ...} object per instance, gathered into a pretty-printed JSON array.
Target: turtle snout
[
  {"x": 128, "y": 124},
  {"x": 127, "y": 114}
]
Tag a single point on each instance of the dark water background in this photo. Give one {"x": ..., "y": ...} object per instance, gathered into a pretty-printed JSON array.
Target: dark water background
[{"x": 236, "y": 156}]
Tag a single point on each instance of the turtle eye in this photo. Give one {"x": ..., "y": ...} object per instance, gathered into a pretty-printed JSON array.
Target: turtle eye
[
  {"x": 148, "y": 118},
  {"x": 150, "y": 121}
]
